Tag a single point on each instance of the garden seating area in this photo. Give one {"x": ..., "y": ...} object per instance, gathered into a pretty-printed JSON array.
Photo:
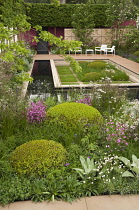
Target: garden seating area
[{"x": 103, "y": 48}]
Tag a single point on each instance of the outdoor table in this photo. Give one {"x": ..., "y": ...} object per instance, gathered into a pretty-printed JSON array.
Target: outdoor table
[{"x": 89, "y": 50}]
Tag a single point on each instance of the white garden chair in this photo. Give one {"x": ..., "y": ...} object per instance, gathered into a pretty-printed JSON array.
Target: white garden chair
[
  {"x": 77, "y": 49},
  {"x": 110, "y": 50},
  {"x": 101, "y": 49}
]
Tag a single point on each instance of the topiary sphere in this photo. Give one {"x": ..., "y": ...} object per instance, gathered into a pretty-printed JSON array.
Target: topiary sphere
[
  {"x": 91, "y": 76},
  {"x": 136, "y": 53},
  {"x": 35, "y": 157},
  {"x": 72, "y": 115},
  {"x": 97, "y": 64}
]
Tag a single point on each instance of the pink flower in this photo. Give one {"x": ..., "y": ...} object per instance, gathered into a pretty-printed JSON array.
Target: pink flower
[
  {"x": 118, "y": 141},
  {"x": 36, "y": 112}
]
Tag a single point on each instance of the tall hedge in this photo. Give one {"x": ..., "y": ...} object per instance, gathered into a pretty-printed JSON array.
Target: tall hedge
[
  {"x": 10, "y": 10},
  {"x": 50, "y": 16}
]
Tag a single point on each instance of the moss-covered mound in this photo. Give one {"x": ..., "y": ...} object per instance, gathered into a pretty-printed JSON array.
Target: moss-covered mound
[
  {"x": 37, "y": 156},
  {"x": 72, "y": 115}
]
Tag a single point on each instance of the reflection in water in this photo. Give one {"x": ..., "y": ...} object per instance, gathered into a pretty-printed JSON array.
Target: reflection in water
[
  {"x": 42, "y": 86},
  {"x": 133, "y": 93}
]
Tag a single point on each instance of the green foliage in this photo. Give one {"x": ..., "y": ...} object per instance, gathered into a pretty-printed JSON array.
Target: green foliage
[
  {"x": 117, "y": 13},
  {"x": 136, "y": 53},
  {"x": 16, "y": 56},
  {"x": 44, "y": 14},
  {"x": 115, "y": 75},
  {"x": 73, "y": 64},
  {"x": 98, "y": 64},
  {"x": 83, "y": 24},
  {"x": 73, "y": 115},
  {"x": 37, "y": 156},
  {"x": 131, "y": 41},
  {"x": 88, "y": 166},
  {"x": 14, "y": 188},
  {"x": 133, "y": 168},
  {"x": 63, "y": 182},
  {"x": 108, "y": 98},
  {"x": 12, "y": 109},
  {"x": 92, "y": 76},
  {"x": 13, "y": 15},
  {"x": 98, "y": 69},
  {"x": 121, "y": 11}
]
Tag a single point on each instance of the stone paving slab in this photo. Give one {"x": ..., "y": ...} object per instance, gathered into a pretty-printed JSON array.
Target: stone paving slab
[
  {"x": 56, "y": 205},
  {"x": 113, "y": 202}
]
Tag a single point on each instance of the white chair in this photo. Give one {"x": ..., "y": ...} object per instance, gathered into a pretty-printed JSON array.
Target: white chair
[
  {"x": 110, "y": 50},
  {"x": 101, "y": 48},
  {"x": 77, "y": 49}
]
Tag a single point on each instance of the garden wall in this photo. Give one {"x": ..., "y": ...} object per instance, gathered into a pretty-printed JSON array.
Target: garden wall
[{"x": 99, "y": 36}]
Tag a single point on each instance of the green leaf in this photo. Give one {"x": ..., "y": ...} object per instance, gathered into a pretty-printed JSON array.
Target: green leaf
[
  {"x": 127, "y": 174},
  {"x": 136, "y": 170},
  {"x": 135, "y": 161},
  {"x": 84, "y": 165},
  {"x": 125, "y": 161}
]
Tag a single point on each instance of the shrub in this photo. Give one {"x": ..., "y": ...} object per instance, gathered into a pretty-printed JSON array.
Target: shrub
[
  {"x": 115, "y": 75},
  {"x": 108, "y": 73},
  {"x": 44, "y": 14},
  {"x": 73, "y": 115},
  {"x": 92, "y": 76},
  {"x": 35, "y": 157},
  {"x": 136, "y": 53},
  {"x": 98, "y": 64}
]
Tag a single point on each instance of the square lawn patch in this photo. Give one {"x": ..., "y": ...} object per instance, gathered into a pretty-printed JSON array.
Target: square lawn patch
[
  {"x": 63, "y": 70},
  {"x": 67, "y": 78}
]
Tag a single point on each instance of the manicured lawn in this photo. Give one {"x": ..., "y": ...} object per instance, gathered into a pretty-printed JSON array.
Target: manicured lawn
[
  {"x": 67, "y": 78},
  {"x": 63, "y": 70}
]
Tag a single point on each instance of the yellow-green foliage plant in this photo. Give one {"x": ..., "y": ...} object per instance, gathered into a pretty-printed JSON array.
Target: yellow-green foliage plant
[
  {"x": 98, "y": 64},
  {"x": 136, "y": 53},
  {"x": 91, "y": 76},
  {"x": 71, "y": 115},
  {"x": 37, "y": 156}
]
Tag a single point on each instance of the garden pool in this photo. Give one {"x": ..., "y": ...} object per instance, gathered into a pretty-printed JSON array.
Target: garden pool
[{"x": 42, "y": 86}]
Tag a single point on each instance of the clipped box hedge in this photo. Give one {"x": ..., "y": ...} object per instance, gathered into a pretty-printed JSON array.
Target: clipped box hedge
[
  {"x": 37, "y": 156},
  {"x": 48, "y": 15}
]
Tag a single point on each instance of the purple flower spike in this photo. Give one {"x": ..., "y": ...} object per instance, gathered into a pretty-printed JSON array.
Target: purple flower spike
[
  {"x": 66, "y": 164},
  {"x": 36, "y": 113}
]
